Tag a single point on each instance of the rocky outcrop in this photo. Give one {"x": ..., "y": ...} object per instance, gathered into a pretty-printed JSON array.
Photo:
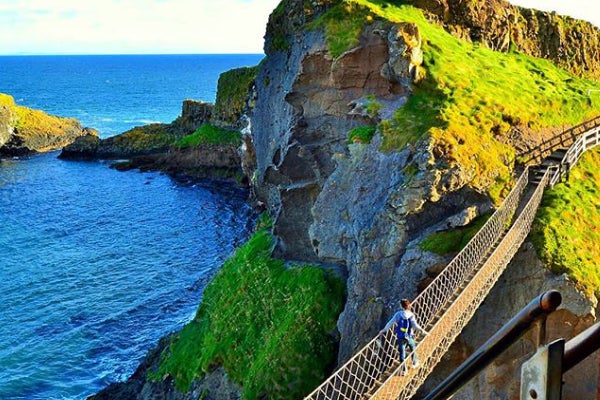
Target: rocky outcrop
[
  {"x": 152, "y": 147},
  {"x": 354, "y": 207},
  {"x": 25, "y": 131},
  {"x": 142, "y": 140},
  {"x": 314, "y": 97},
  {"x": 204, "y": 161},
  {"x": 572, "y": 44},
  {"x": 193, "y": 114}
]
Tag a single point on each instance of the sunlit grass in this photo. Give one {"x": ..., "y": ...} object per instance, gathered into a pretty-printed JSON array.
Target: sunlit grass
[
  {"x": 210, "y": 134},
  {"x": 454, "y": 240},
  {"x": 471, "y": 95},
  {"x": 566, "y": 231},
  {"x": 268, "y": 325}
]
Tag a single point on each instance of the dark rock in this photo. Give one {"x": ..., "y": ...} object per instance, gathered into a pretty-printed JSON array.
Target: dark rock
[
  {"x": 194, "y": 113},
  {"x": 83, "y": 148}
]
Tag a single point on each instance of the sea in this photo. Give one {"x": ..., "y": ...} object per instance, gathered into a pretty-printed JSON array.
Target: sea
[{"x": 97, "y": 265}]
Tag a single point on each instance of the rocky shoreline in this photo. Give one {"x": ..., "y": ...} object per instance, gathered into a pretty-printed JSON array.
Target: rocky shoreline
[{"x": 151, "y": 147}]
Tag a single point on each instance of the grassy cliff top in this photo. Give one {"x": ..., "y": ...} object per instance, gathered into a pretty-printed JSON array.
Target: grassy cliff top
[
  {"x": 267, "y": 324},
  {"x": 472, "y": 98}
]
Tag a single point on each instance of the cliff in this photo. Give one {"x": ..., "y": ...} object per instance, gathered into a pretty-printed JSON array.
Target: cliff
[
  {"x": 447, "y": 116},
  {"x": 372, "y": 131},
  {"x": 25, "y": 131}
]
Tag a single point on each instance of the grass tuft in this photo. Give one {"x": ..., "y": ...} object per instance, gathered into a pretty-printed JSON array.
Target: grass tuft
[
  {"x": 210, "y": 134},
  {"x": 453, "y": 241}
]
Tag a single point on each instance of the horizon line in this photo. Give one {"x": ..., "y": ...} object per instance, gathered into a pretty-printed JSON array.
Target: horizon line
[{"x": 124, "y": 54}]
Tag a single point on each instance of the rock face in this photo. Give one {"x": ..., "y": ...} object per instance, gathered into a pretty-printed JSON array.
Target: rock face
[
  {"x": 312, "y": 96},
  {"x": 354, "y": 206},
  {"x": 574, "y": 45},
  {"x": 25, "y": 131},
  {"x": 351, "y": 206}
]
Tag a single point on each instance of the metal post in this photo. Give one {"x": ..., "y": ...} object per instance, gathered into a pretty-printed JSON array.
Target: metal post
[
  {"x": 541, "y": 375},
  {"x": 581, "y": 346}
]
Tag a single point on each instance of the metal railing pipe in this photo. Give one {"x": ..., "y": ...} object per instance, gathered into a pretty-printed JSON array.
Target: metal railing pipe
[
  {"x": 581, "y": 346},
  {"x": 542, "y": 305}
]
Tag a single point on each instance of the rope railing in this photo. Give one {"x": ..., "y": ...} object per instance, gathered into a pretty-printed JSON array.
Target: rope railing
[
  {"x": 457, "y": 315},
  {"x": 448, "y": 303}
]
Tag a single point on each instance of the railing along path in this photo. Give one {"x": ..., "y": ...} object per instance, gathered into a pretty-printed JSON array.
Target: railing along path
[{"x": 448, "y": 303}]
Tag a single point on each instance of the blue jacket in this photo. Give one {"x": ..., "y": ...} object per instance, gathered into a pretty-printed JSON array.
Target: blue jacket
[{"x": 406, "y": 314}]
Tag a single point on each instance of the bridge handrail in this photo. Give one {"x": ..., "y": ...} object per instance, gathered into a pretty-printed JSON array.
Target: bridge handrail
[{"x": 448, "y": 327}]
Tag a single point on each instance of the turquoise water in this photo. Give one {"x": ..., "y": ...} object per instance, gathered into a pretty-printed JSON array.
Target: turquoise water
[{"x": 96, "y": 265}]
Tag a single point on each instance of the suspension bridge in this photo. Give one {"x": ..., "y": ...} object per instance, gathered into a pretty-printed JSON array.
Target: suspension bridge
[{"x": 445, "y": 307}]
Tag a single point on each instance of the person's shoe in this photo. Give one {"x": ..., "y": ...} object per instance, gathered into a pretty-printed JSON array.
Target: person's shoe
[
  {"x": 416, "y": 364},
  {"x": 403, "y": 371}
]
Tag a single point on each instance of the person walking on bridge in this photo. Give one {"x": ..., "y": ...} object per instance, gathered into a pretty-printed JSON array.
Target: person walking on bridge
[{"x": 405, "y": 328}]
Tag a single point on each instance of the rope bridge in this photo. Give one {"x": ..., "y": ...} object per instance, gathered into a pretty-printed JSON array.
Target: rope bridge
[{"x": 448, "y": 303}]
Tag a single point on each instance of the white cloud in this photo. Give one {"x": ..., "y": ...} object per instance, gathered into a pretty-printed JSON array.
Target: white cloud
[
  {"x": 164, "y": 26},
  {"x": 580, "y": 9},
  {"x": 133, "y": 26}
]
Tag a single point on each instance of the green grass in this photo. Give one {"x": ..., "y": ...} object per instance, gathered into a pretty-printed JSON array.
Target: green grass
[
  {"x": 343, "y": 24},
  {"x": 453, "y": 241},
  {"x": 267, "y": 324},
  {"x": 565, "y": 231},
  {"x": 470, "y": 96},
  {"x": 210, "y": 134},
  {"x": 361, "y": 134}
]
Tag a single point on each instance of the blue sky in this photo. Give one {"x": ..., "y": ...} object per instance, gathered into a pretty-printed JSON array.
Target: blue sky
[{"x": 163, "y": 26}]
